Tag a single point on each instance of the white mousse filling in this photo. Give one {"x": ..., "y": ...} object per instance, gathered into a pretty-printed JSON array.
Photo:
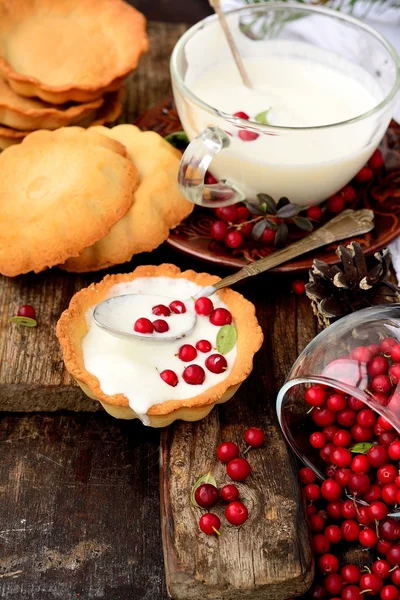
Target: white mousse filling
[{"x": 132, "y": 367}]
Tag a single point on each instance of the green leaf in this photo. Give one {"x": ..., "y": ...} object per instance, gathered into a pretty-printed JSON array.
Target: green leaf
[
  {"x": 25, "y": 321},
  {"x": 262, "y": 117},
  {"x": 253, "y": 208},
  {"x": 178, "y": 139},
  {"x": 271, "y": 224},
  {"x": 226, "y": 339},
  {"x": 269, "y": 201},
  {"x": 303, "y": 223},
  {"x": 282, "y": 202},
  {"x": 289, "y": 210},
  {"x": 207, "y": 478},
  {"x": 258, "y": 229},
  {"x": 361, "y": 448},
  {"x": 281, "y": 235}
]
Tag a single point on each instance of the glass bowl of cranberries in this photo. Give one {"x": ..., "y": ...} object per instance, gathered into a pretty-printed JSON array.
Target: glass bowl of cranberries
[{"x": 339, "y": 408}]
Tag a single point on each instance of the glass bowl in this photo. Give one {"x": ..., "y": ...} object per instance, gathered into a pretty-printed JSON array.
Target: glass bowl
[
  {"x": 304, "y": 164},
  {"x": 340, "y": 358}
]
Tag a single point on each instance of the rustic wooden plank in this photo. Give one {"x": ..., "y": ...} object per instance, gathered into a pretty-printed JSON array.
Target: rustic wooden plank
[{"x": 269, "y": 557}]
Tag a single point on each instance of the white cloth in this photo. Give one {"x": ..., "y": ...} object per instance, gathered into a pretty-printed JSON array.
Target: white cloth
[{"x": 388, "y": 24}]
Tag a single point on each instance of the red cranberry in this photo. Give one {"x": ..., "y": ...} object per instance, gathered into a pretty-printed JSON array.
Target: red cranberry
[
  {"x": 387, "y": 344},
  {"x": 194, "y": 375},
  {"x": 160, "y": 310},
  {"x": 346, "y": 417},
  {"x": 393, "y": 555},
  {"x": 254, "y": 437},
  {"x": 203, "y": 306},
  {"x": 387, "y": 473},
  {"x": 372, "y": 583},
  {"x": 381, "y": 398},
  {"x": 316, "y": 523},
  {"x": 342, "y": 438},
  {"x": 361, "y": 354},
  {"x": 203, "y": 346},
  {"x": 359, "y": 484},
  {"x": 350, "y": 530},
  {"x": 323, "y": 417},
  {"x": 26, "y": 310},
  {"x": 229, "y": 493},
  {"x": 376, "y": 160},
  {"x": 368, "y": 538},
  {"x": 341, "y": 457},
  {"x": 328, "y": 563},
  {"x": 334, "y": 510},
  {"x": 381, "y": 568},
  {"x": 349, "y": 193},
  {"x": 298, "y": 287},
  {"x": 333, "y": 584},
  {"x": 389, "y": 494},
  {"x": 227, "y": 451},
  {"x": 352, "y": 592},
  {"x": 247, "y": 136},
  {"x": 210, "y": 524},
  {"x": 333, "y": 533},
  {"x": 394, "y": 450},
  {"x": 239, "y": 469},
  {"x": 229, "y": 214},
  {"x": 234, "y": 239},
  {"x": 395, "y": 352},
  {"x": 236, "y": 513},
  {"x": 326, "y": 452},
  {"x": 336, "y": 402},
  {"x": 349, "y": 509},
  {"x": 160, "y": 325},
  {"x": 389, "y": 530},
  {"x": 177, "y": 307},
  {"x": 335, "y": 204},
  {"x": 216, "y": 363},
  {"x": 331, "y": 490},
  {"x": 331, "y": 471},
  {"x": 206, "y": 495},
  {"x": 241, "y": 115},
  {"x": 375, "y": 350},
  {"x": 377, "y": 456},
  {"x": 366, "y": 418},
  {"x": 378, "y": 511},
  {"x": 318, "y": 592},
  {"x": 360, "y": 464},
  {"x": 361, "y": 434},
  {"x": 187, "y": 353},
  {"x": 373, "y": 494},
  {"x": 378, "y": 366},
  {"x": 351, "y": 574},
  {"x": 246, "y": 227},
  {"x": 386, "y": 426},
  {"x": 314, "y": 213},
  {"x": 386, "y": 438},
  {"x": 306, "y": 474},
  {"x": 363, "y": 516},
  {"x": 329, "y": 432},
  {"x": 342, "y": 476},
  {"x": 394, "y": 372},
  {"x": 219, "y": 229},
  {"x": 395, "y": 573},
  {"x": 381, "y": 383},
  {"x": 389, "y": 592},
  {"x": 143, "y": 325},
  {"x": 209, "y": 179},
  {"x": 365, "y": 174},
  {"x": 220, "y": 317},
  {"x": 355, "y": 403},
  {"x": 320, "y": 544},
  {"x": 315, "y": 395},
  {"x": 382, "y": 547},
  {"x": 169, "y": 377},
  {"x": 243, "y": 212},
  {"x": 317, "y": 439}
]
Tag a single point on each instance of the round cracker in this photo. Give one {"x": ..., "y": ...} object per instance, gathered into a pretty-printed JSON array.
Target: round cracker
[{"x": 59, "y": 193}]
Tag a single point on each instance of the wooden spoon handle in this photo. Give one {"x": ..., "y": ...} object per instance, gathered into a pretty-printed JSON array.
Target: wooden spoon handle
[{"x": 347, "y": 224}]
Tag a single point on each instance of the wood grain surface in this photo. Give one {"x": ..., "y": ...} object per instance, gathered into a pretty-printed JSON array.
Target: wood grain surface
[{"x": 79, "y": 492}]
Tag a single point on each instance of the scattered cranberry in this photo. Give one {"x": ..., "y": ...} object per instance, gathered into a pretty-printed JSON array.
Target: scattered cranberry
[
  {"x": 320, "y": 544},
  {"x": 268, "y": 236},
  {"x": 389, "y": 592},
  {"x": 351, "y": 574},
  {"x": 177, "y": 307},
  {"x": 376, "y": 160},
  {"x": 206, "y": 495},
  {"x": 381, "y": 568},
  {"x": 229, "y": 214},
  {"x": 209, "y": 179},
  {"x": 389, "y": 530},
  {"x": 236, "y": 513},
  {"x": 378, "y": 366},
  {"x": 160, "y": 310},
  {"x": 204, "y": 346},
  {"x": 349, "y": 509},
  {"x": 315, "y": 395},
  {"x": 26, "y": 310},
  {"x": 335, "y": 203},
  {"x": 341, "y": 457},
  {"x": 238, "y": 469},
  {"x": 254, "y": 437},
  {"x": 387, "y": 344},
  {"x": 234, "y": 239},
  {"x": 360, "y": 464},
  {"x": 377, "y": 456},
  {"x": 203, "y": 306},
  {"x": 342, "y": 438},
  {"x": 306, "y": 474},
  {"x": 362, "y": 354},
  {"x": 394, "y": 450},
  {"x": 378, "y": 511},
  {"x": 160, "y": 325},
  {"x": 333, "y": 584},
  {"x": 194, "y": 375},
  {"x": 143, "y": 325},
  {"x": 210, "y": 524},
  {"x": 314, "y": 213},
  {"x": 372, "y": 583},
  {"x": 368, "y": 538},
  {"x": 348, "y": 193},
  {"x": 241, "y": 115},
  {"x": 336, "y": 402},
  {"x": 364, "y": 175},
  {"x": 317, "y": 439},
  {"x": 219, "y": 229},
  {"x": 220, "y": 317},
  {"x": 243, "y": 212},
  {"x": 333, "y": 533},
  {"x": 229, "y": 493},
  {"x": 331, "y": 490},
  {"x": 187, "y": 353},
  {"x": 298, "y": 287},
  {"x": 328, "y": 563},
  {"x": 323, "y": 417},
  {"x": 227, "y": 451},
  {"x": 216, "y": 363},
  {"x": 248, "y": 136},
  {"x": 169, "y": 377},
  {"x": 350, "y": 530}
]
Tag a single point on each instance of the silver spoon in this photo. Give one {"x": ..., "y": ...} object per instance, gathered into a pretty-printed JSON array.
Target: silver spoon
[{"x": 109, "y": 313}]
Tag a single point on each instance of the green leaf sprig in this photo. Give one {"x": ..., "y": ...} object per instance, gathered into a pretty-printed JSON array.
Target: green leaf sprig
[
  {"x": 226, "y": 339},
  {"x": 207, "y": 478},
  {"x": 24, "y": 321}
]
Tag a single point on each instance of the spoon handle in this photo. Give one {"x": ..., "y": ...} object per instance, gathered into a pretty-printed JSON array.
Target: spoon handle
[
  {"x": 347, "y": 224},
  {"x": 216, "y": 5}
]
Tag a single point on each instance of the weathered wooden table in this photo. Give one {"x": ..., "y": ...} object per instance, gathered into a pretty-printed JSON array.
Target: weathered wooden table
[{"x": 79, "y": 492}]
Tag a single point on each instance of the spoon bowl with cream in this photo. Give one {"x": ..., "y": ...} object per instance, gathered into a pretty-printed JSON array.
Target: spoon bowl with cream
[{"x": 323, "y": 91}]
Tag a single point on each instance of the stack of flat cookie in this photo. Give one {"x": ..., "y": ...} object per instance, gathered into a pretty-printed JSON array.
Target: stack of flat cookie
[
  {"x": 86, "y": 199},
  {"x": 64, "y": 63}
]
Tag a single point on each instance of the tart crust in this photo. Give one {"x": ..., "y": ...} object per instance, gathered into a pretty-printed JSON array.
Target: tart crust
[
  {"x": 67, "y": 50},
  {"x": 158, "y": 206},
  {"x": 72, "y": 328}
]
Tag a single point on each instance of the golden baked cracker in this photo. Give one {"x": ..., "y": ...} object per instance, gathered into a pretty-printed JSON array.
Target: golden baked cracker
[
  {"x": 74, "y": 134},
  {"x": 69, "y": 50},
  {"x": 158, "y": 205},
  {"x": 57, "y": 198}
]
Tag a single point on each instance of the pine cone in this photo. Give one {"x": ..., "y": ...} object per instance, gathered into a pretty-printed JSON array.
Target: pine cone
[{"x": 336, "y": 291}]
